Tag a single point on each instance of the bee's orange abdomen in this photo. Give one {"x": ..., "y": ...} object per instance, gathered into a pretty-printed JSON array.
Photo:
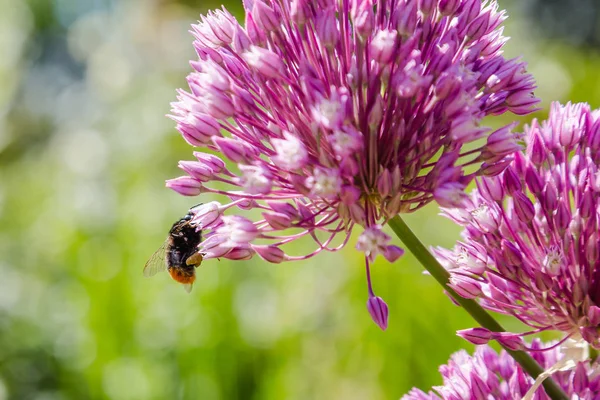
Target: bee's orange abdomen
[{"x": 182, "y": 276}]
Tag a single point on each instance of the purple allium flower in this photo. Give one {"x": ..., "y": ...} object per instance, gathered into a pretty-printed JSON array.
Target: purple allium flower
[
  {"x": 342, "y": 113},
  {"x": 531, "y": 241},
  {"x": 489, "y": 375}
]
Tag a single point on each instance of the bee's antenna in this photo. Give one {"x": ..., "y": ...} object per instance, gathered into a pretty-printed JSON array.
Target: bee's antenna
[{"x": 199, "y": 204}]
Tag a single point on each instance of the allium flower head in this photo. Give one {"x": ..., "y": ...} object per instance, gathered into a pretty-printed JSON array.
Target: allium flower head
[
  {"x": 489, "y": 375},
  {"x": 531, "y": 241},
  {"x": 344, "y": 113}
]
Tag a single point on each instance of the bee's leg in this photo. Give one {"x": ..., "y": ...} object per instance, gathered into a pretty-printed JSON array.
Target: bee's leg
[{"x": 195, "y": 259}]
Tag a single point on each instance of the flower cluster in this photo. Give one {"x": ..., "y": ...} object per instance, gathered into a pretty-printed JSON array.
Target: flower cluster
[
  {"x": 489, "y": 375},
  {"x": 531, "y": 246},
  {"x": 342, "y": 113}
]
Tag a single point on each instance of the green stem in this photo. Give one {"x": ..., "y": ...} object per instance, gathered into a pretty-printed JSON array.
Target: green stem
[
  {"x": 471, "y": 306},
  {"x": 593, "y": 354}
]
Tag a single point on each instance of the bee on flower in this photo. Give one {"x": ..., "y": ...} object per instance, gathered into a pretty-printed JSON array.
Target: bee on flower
[{"x": 338, "y": 114}]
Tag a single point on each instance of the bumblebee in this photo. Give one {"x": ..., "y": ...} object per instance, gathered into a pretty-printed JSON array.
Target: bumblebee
[{"x": 179, "y": 253}]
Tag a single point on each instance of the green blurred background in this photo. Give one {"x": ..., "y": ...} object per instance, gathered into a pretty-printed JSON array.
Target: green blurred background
[{"x": 84, "y": 152}]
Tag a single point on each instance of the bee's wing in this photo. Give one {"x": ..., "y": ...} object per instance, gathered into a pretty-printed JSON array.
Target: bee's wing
[{"x": 157, "y": 262}]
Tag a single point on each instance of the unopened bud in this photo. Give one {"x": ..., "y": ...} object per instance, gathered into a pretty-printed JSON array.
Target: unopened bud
[
  {"x": 185, "y": 185},
  {"x": 239, "y": 253},
  {"x": 593, "y": 315},
  {"x": 476, "y": 336},
  {"x": 272, "y": 254},
  {"x": 264, "y": 61},
  {"x": 278, "y": 220},
  {"x": 379, "y": 311},
  {"x": 465, "y": 286},
  {"x": 509, "y": 341},
  {"x": 206, "y": 214},
  {"x": 448, "y": 7},
  {"x": 235, "y": 150},
  {"x": 523, "y": 207},
  {"x": 265, "y": 17}
]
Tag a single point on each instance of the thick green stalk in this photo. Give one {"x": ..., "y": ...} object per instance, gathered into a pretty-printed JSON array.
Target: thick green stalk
[{"x": 471, "y": 306}]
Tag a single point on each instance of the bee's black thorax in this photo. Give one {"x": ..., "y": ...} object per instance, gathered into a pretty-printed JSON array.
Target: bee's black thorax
[{"x": 183, "y": 243}]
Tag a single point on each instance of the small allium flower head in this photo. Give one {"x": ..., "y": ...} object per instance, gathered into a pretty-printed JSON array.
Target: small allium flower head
[
  {"x": 489, "y": 375},
  {"x": 345, "y": 113},
  {"x": 538, "y": 238}
]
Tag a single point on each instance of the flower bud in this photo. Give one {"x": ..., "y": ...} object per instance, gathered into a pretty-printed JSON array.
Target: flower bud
[
  {"x": 197, "y": 170},
  {"x": 206, "y": 214},
  {"x": 589, "y": 334},
  {"x": 427, "y": 6},
  {"x": 523, "y": 207},
  {"x": 272, "y": 254},
  {"x": 299, "y": 11},
  {"x": 587, "y": 204},
  {"x": 537, "y": 152},
  {"x": 580, "y": 380},
  {"x": 277, "y": 220},
  {"x": 257, "y": 35},
  {"x": 284, "y": 208},
  {"x": 218, "y": 104},
  {"x": 242, "y": 100},
  {"x": 384, "y": 183},
  {"x": 448, "y": 7},
  {"x": 562, "y": 219},
  {"x": 478, "y": 27},
  {"x": 512, "y": 183},
  {"x": 543, "y": 282},
  {"x": 216, "y": 251},
  {"x": 465, "y": 286},
  {"x": 185, "y": 185},
  {"x": 593, "y": 315},
  {"x": 512, "y": 255},
  {"x": 491, "y": 189},
  {"x": 211, "y": 161},
  {"x": 470, "y": 11},
  {"x": 197, "y": 129},
  {"x": 363, "y": 17},
  {"x": 235, "y": 150},
  {"x": 264, "y": 61},
  {"x": 502, "y": 142},
  {"x": 406, "y": 18},
  {"x": 379, "y": 311},
  {"x": 509, "y": 341},
  {"x": 239, "y": 253},
  {"x": 591, "y": 249},
  {"x": 549, "y": 198},
  {"x": 326, "y": 27},
  {"x": 476, "y": 336},
  {"x": 241, "y": 41},
  {"x": 265, "y": 17},
  {"x": 520, "y": 103},
  {"x": 496, "y": 168}
]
